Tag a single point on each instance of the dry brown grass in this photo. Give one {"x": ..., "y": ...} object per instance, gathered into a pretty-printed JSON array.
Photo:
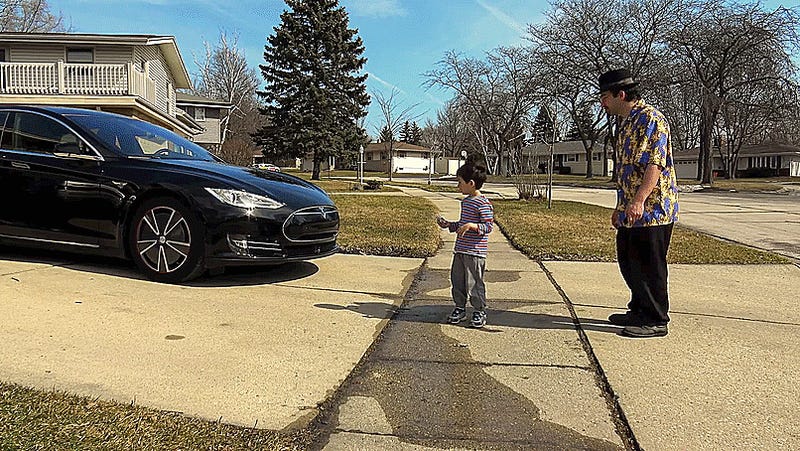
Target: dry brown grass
[
  {"x": 387, "y": 225},
  {"x": 53, "y": 420},
  {"x": 576, "y": 231}
]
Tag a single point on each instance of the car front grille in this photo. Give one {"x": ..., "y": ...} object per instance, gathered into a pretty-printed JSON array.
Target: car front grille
[{"x": 312, "y": 225}]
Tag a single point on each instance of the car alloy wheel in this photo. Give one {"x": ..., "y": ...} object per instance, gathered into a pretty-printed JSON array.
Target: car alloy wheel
[{"x": 165, "y": 241}]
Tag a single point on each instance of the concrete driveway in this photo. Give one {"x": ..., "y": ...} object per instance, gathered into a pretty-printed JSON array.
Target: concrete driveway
[{"x": 255, "y": 347}]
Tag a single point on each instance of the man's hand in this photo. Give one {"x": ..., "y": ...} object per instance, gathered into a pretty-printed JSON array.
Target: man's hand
[{"x": 634, "y": 211}]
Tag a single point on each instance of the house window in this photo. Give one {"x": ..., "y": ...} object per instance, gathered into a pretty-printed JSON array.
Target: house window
[
  {"x": 401, "y": 154},
  {"x": 572, "y": 158},
  {"x": 80, "y": 55},
  {"x": 199, "y": 114},
  {"x": 369, "y": 156},
  {"x": 596, "y": 156}
]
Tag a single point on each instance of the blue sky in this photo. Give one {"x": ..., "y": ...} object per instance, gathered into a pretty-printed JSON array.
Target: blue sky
[{"x": 402, "y": 38}]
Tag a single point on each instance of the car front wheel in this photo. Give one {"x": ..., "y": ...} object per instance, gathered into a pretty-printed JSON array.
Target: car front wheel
[{"x": 166, "y": 241}]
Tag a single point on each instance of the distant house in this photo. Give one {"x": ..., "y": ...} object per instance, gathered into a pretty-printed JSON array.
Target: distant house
[
  {"x": 134, "y": 75},
  {"x": 569, "y": 157},
  {"x": 763, "y": 159},
  {"x": 408, "y": 158},
  {"x": 206, "y": 113},
  {"x": 756, "y": 159}
]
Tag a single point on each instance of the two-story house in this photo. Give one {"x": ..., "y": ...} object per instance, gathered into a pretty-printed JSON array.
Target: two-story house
[
  {"x": 207, "y": 114},
  {"x": 134, "y": 75}
]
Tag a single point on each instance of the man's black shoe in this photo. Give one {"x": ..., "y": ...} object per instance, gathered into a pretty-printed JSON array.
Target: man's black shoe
[
  {"x": 645, "y": 331},
  {"x": 628, "y": 318}
]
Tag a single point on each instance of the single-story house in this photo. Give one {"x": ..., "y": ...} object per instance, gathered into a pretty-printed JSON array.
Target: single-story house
[
  {"x": 767, "y": 158},
  {"x": 569, "y": 157},
  {"x": 408, "y": 158}
]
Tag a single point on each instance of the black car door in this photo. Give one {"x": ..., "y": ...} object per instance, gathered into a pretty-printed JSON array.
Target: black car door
[{"x": 49, "y": 180}]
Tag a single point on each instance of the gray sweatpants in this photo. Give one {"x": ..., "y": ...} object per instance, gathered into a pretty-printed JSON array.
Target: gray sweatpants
[{"x": 466, "y": 276}]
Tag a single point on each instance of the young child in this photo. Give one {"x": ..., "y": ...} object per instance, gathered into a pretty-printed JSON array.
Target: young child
[{"x": 472, "y": 243}]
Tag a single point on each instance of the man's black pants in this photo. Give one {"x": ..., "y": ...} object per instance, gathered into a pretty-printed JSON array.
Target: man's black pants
[{"x": 642, "y": 257}]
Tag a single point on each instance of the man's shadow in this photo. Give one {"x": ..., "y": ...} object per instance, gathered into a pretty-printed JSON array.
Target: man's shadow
[{"x": 437, "y": 314}]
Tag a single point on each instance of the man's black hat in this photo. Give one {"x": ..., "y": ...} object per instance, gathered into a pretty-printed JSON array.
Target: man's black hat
[{"x": 617, "y": 79}]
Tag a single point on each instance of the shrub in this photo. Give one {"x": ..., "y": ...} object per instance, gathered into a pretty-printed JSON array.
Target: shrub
[{"x": 373, "y": 184}]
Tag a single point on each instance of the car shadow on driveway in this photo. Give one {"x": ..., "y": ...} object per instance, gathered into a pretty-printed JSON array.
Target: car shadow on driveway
[
  {"x": 232, "y": 277},
  {"x": 497, "y": 318}
]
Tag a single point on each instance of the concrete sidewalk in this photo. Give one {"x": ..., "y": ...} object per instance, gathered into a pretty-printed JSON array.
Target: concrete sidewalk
[{"x": 724, "y": 378}]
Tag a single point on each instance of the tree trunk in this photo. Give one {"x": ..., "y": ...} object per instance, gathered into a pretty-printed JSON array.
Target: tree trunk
[
  {"x": 706, "y": 156},
  {"x": 589, "y": 169},
  {"x": 316, "y": 170}
]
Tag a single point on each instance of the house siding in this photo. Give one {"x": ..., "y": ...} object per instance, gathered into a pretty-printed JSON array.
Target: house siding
[
  {"x": 211, "y": 134},
  {"x": 113, "y": 54},
  {"x": 36, "y": 53},
  {"x": 165, "y": 100},
  {"x": 117, "y": 54}
]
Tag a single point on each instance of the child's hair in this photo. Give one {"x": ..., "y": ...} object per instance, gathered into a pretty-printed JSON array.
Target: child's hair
[{"x": 474, "y": 171}]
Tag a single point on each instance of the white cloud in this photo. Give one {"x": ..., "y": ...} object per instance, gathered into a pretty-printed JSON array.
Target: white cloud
[
  {"x": 376, "y": 8},
  {"x": 435, "y": 100},
  {"x": 504, "y": 18},
  {"x": 384, "y": 83}
]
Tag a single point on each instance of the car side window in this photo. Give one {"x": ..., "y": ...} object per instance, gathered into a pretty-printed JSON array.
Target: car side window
[
  {"x": 36, "y": 133},
  {"x": 3, "y": 136}
]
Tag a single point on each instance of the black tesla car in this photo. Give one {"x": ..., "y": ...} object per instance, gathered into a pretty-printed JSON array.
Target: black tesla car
[{"x": 102, "y": 183}]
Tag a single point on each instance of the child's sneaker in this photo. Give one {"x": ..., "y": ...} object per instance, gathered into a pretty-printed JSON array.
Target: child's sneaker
[
  {"x": 458, "y": 315},
  {"x": 478, "y": 319}
]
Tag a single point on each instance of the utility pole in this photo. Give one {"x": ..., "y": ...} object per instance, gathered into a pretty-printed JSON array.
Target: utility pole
[{"x": 361, "y": 164}]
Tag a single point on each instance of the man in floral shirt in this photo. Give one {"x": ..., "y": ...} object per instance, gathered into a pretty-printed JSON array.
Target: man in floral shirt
[{"x": 647, "y": 204}]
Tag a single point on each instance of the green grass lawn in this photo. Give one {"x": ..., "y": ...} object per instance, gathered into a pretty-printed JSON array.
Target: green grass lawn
[
  {"x": 576, "y": 231},
  {"x": 387, "y": 225}
]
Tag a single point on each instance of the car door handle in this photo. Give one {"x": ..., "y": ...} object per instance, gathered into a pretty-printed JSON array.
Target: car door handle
[{"x": 14, "y": 164}]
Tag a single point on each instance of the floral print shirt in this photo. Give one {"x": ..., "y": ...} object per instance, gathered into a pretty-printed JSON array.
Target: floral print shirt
[{"x": 644, "y": 139}]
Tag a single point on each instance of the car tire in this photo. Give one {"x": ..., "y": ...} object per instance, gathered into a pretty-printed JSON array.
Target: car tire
[{"x": 166, "y": 241}]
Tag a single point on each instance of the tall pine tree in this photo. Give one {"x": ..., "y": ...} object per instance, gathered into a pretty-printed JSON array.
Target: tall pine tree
[
  {"x": 314, "y": 94},
  {"x": 543, "y": 126}
]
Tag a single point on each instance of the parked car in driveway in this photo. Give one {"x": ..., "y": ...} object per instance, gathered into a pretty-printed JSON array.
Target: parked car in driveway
[
  {"x": 267, "y": 167},
  {"x": 101, "y": 183}
]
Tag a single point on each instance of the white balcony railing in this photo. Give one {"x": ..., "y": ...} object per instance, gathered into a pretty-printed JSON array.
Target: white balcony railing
[{"x": 76, "y": 79}]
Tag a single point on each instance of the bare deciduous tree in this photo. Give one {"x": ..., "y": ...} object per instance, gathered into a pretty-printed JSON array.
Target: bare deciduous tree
[
  {"x": 728, "y": 46},
  {"x": 393, "y": 116},
  {"x": 499, "y": 93},
  {"x": 580, "y": 39},
  {"x": 223, "y": 74},
  {"x": 30, "y": 16}
]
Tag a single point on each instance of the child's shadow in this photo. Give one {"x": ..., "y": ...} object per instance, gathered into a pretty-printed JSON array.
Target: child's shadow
[{"x": 496, "y": 318}]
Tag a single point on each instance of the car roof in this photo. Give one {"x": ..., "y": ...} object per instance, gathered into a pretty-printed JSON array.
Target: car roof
[{"x": 60, "y": 110}]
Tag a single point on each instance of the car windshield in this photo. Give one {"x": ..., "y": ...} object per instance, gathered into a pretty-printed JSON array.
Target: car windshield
[{"x": 139, "y": 139}]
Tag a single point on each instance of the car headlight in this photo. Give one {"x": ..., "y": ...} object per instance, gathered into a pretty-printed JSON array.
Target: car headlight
[{"x": 244, "y": 199}]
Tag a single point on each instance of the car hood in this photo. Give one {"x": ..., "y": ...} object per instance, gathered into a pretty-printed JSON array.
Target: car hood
[{"x": 286, "y": 188}]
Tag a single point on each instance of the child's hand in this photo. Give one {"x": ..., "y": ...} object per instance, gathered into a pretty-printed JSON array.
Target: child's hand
[
  {"x": 443, "y": 223},
  {"x": 466, "y": 227}
]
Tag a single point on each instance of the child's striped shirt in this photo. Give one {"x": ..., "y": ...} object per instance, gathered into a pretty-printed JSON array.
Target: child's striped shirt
[{"x": 477, "y": 209}]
